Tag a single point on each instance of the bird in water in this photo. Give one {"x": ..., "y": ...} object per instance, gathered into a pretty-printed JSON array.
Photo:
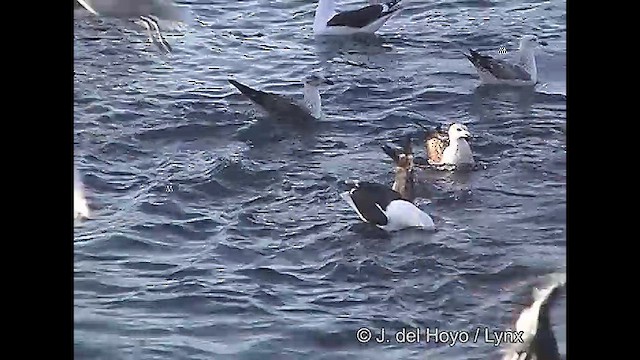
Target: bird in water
[
  {"x": 284, "y": 107},
  {"x": 534, "y": 325},
  {"x": 366, "y": 20},
  {"x": 403, "y": 168},
  {"x": 80, "y": 205},
  {"x": 384, "y": 207},
  {"x": 448, "y": 148},
  {"x": 144, "y": 12},
  {"x": 522, "y": 72},
  {"x": 392, "y": 208}
]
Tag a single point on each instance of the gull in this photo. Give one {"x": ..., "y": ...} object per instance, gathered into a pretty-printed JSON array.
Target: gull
[
  {"x": 148, "y": 12},
  {"x": 538, "y": 341},
  {"x": 281, "y": 106},
  {"x": 392, "y": 208},
  {"x": 403, "y": 168},
  {"x": 450, "y": 148},
  {"x": 366, "y": 20},
  {"x": 80, "y": 206},
  {"x": 384, "y": 207},
  {"x": 162, "y": 43},
  {"x": 521, "y": 73}
]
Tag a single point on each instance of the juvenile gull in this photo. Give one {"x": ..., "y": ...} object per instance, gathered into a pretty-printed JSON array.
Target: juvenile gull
[
  {"x": 148, "y": 12},
  {"x": 281, "y": 106},
  {"x": 364, "y": 20},
  {"x": 523, "y": 72},
  {"x": 538, "y": 341},
  {"x": 403, "y": 168},
  {"x": 385, "y": 208},
  {"x": 80, "y": 206},
  {"x": 450, "y": 148}
]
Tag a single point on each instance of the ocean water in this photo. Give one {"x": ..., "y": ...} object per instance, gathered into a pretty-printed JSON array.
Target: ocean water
[{"x": 218, "y": 233}]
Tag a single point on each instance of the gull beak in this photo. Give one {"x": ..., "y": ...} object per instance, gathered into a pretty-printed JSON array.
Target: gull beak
[
  {"x": 467, "y": 135},
  {"x": 543, "y": 43}
]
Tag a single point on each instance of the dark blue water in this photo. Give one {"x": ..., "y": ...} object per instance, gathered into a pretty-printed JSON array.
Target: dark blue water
[{"x": 218, "y": 234}]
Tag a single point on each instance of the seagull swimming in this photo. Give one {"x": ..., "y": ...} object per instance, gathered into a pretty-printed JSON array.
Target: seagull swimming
[
  {"x": 404, "y": 175},
  {"x": 521, "y": 73},
  {"x": 538, "y": 341},
  {"x": 148, "y": 12},
  {"x": 284, "y": 107},
  {"x": 450, "y": 148},
  {"x": 385, "y": 208},
  {"x": 80, "y": 205},
  {"x": 364, "y": 20}
]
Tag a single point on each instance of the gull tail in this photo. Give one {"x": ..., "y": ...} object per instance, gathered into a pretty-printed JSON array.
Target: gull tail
[
  {"x": 257, "y": 96},
  {"x": 394, "y": 154},
  {"x": 406, "y": 145},
  {"x": 478, "y": 60},
  {"x": 346, "y": 196},
  {"x": 469, "y": 55},
  {"x": 394, "y": 5},
  {"x": 473, "y": 56},
  {"x": 420, "y": 125},
  {"x": 430, "y": 131}
]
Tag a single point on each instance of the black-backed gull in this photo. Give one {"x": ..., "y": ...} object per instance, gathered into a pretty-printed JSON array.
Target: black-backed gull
[{"x": 366, "y": 20}]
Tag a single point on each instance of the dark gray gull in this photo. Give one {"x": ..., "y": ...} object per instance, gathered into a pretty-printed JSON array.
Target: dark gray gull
[
  {"x": 384, "y": 207},
  {"x": 522, "y": 72},
  {"x": 147, "y": 12},
  {"x": 281, "y": 106},
  {"x": 538, "y": 341},
  {"x": 365, "y": 20}
]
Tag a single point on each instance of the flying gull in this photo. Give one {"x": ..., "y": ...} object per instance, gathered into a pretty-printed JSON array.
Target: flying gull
[
  {"x": 80, "y": 206},
  {"x": 385, "y": 208},
  {"x": 534, "y": 325},
  {"x": 522, "y": 72},
  {"x": 147, "y": 12},
  {"x": 364, "y": 20},
  {"x": 450, "y": 148},
  {"x": 281, "y": 106}
]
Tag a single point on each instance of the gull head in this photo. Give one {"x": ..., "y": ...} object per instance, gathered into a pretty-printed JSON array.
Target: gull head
[
  {"x": 458, "y": 131},
  {"x": 530, "y": 42},
  {"x": 316, "y": 80},
  {"x": 405, "y": 161}
]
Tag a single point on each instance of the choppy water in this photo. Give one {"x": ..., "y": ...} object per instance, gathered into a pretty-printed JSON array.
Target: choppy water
[{"x": 218, "y": 235}]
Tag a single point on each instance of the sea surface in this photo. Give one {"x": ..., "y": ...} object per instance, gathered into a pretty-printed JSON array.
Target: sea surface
[{"x": 218, "y": 233}]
